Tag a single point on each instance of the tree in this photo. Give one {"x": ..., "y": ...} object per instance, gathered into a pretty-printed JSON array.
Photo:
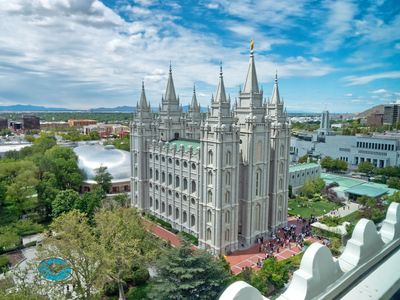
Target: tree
[
  {"x": 365, "y": 167},
  {"x": 327, "y": 162},
  {"x": 65, "y": 201},
  {"x": 90, "y": 201},
  {"x": 395, "y": 197},
  {"x": 312, "y": 186},
  {"x": 76, "y": 241},
  {"x": 303, "y": 159},
  {"x": 272, "y": 273},
  {"x": 339, "y": 165},
  {"x": 94, "y": 135},
  {"x": 122, "y": 200},
  {"x": 393, "y": 183},
  {"x": 125, "y": 241},
  {"x": 103, "y": 178},
  {"x": 185, "y": 273}
]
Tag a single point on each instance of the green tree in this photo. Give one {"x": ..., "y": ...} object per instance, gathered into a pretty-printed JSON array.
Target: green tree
[
  {"x": 272, "y": 273},
  {"x": 125, "y": 241},
  {"x": 327, "y": 162},
  {"x": 122, "y": 200},
  {"x": 94, "y": 135},
  {"x": 76, "y": 241},
  {"x": 339, "y": 165},
  {"x": 47, "y": 191},
  {"x": 64, "y": 202},
  {"x": 311, "y": 187},
  {"x": 365, "y": 167},
  {"x": 184, "y": 273},
  {"x": 303, "y": 159},
  {"x": 103, "y": 178},
  {"x": 393, "y": 182},
  {"x": 395, "y": 197},
  {"x": 90, "y": 201}
]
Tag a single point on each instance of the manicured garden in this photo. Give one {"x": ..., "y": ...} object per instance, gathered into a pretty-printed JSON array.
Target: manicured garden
[{"x": 310, "y": 207}]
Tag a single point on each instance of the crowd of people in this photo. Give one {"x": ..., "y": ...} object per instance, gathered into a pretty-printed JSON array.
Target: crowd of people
[{"x": 285, "y": 237}]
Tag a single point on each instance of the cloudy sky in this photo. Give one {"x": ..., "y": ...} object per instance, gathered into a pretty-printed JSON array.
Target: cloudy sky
[{"x": 338, "y": 55}]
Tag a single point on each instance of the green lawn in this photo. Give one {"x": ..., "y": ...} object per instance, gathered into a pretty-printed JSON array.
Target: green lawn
[{"x": 306, "y": 208}]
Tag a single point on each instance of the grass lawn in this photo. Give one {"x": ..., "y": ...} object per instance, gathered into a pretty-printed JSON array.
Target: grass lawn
[{"x": 306, "y": 208}]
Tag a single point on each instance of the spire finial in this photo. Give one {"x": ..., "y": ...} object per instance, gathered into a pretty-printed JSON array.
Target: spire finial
[
  {"x": 251, "y": 46},
  {"x": 170, "y": 67},
  {"x": 194, "y": 88},
  {"x": 220, "y": 68},
  {"x": 276, "y": 75}
]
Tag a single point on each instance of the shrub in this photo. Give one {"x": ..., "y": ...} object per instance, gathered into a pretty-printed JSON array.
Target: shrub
[
  {"x": 139, "y": 292},
  {"x": 331, "y": 221},
  {"x": 111, "y": 288},
  {"x": 4, "y": 262},
  {"x": 27, "y": 227},
  {"x": 190, "y": 238},
  {"x": 140, "y": 276}
]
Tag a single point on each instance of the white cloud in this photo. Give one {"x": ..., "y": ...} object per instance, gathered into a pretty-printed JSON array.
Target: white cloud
[
  {"x": 83, "y": 54},
  {"x": 360, "y": 80},
  {"x": 349, "y": 95},
  {"x": 379, "y": 91}
]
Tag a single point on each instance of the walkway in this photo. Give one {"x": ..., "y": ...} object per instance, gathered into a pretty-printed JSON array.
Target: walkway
[
  {"x": 345, "y": 210},
  {"x": 162, "y": 233}
]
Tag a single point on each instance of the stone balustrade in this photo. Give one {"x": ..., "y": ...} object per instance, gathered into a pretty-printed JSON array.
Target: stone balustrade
[{"x": 321, "y": 276}]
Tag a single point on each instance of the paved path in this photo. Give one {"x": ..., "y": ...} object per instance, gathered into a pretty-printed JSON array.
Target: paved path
[{"x": 345, "y": 210}]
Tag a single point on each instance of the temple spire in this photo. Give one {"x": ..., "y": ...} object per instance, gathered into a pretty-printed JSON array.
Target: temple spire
[
  {"x": 275, "y": 93},
  {"x": 170, "y": 95},
  {"x": 251, "y": 83},
  {"x": 194, "y": 105},
  {"x": 143, "y": 102},
  {"x": 220, "y": 97}
]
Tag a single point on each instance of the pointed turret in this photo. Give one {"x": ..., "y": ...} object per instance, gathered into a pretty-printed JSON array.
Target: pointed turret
[
  {"x": 251, "y": 83},
  {"x": 275, "y": 93},
  {"x": 220, "y": 97},
  {"x": 170, "y": 95},
  {"x": 194, "y": 106},
  {"x": 143, "y": 102}
]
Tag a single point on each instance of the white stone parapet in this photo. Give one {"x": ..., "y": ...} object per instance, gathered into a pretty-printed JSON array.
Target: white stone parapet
[{"x": 321, "y": 276}]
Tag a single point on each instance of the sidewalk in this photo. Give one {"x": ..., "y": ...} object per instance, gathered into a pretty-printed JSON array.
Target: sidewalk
[{"x": 345, "y": 210}]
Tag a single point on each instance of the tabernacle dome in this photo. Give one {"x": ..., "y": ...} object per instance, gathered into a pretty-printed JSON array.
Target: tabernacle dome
[{"x": 91, "y": 157}]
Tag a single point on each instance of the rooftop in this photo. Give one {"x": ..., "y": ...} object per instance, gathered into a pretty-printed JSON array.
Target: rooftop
[
  {"x": 301, "y": 167},
  {"x": 186, "y": 144}
]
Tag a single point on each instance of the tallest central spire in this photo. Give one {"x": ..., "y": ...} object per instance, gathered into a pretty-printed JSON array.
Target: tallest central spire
[
  {"x": 251, "y": 84},
  {"x": 170, "y": 95}
]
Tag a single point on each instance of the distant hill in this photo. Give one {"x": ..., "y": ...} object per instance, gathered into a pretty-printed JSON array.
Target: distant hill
[
  {"x": 126, "y": 109},
  {"x": 29, "y": 108},
  {"x": 373, "y": 110}
]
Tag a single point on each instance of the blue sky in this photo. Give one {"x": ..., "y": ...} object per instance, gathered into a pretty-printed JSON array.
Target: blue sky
[{"x": 338, "y": 55}]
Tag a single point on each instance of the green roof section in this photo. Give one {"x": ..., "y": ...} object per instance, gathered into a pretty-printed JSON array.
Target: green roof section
[
  {"x": 366, "y": 190},
  {"x": 301, "y": 167},
  {"x": 357, "y": 186},
  {"x": 186, "y": 144}
]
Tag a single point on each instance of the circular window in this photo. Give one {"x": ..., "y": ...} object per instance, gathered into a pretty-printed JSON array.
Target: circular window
[
  {"x": 184, "y": 198},
  {"x": 156, "y": 187},
  {"x": 156, "y": 157},
  {"x": 151, "y": 156},
  {"x": 194, "y": 166},
  {"x": 163, "y": 159},
  {"x": 170, "y": 160},
  {"x": 177, "y": 162},
  {"x": 177, "y": 195},
  {"x": 240, "y": 141},
  {"x": 169, "y": 192},
  {"x": 185, "y": 164},
  {"x": 193, "y": 201},
  {"x": 150, "y": 185},
  {"x": 163, "y": 190}
]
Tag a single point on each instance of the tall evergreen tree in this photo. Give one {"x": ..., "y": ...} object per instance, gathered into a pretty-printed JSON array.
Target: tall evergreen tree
[{"x": 103, "y": 178}]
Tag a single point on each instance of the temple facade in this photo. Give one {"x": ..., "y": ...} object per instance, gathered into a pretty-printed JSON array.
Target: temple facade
[{"x": 221, "y": 176}]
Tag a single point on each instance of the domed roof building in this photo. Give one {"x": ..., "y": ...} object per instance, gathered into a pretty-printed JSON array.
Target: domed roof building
[{"x": 93, "y": 156}]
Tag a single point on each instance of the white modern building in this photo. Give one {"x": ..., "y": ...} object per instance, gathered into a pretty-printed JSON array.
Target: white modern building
[{"x": 222, "y": 178}]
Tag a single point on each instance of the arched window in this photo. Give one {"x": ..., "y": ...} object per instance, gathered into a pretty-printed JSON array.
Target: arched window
[
  {"x": 151, "y": 173},
  {"x": 208, "y": 234},
  {"x": 280, "y": 201},
  {"x": 169, "y": 210},
  {"x": 281, "y": 168},
  {"x": 157, "y": 175},
  {"x": 228, "y": 178},
  {"x": 227, "y": 217},
  {"x": 169, "y": 179},
  {"x": 258, "y": 182},
  {"x": 177, "y": 181},
  {"x": 210, "y": 157},
  {"x": 156, "y": 204},
  {"x": 193, "y": 186},
  {"x": 209, "y": 216},
  {"x": 162, "y": 177},
  {"x": 259, "y": 151},
  {"x": 151, "y": 202},
  {"x": 227, "y": 197},
  {"x": 279, "y": 215},
  {"x": 185, "y": 184},
  {"x": 280, "y": 183},
  {"x": 258, "y": 217},
  {"x": 209, "y": 196},
  {"x": 228, "y": 157},
  {"x": 282, "y": 151},
  {"x": 210, "y": 177},
  {"x": 227, "y": 235},
  {"x": 176, "y": 213},
  {"x": 162, "y": 207},
  {"x": 192, "y": 220},
  {"x": 184, "y": 216}
]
